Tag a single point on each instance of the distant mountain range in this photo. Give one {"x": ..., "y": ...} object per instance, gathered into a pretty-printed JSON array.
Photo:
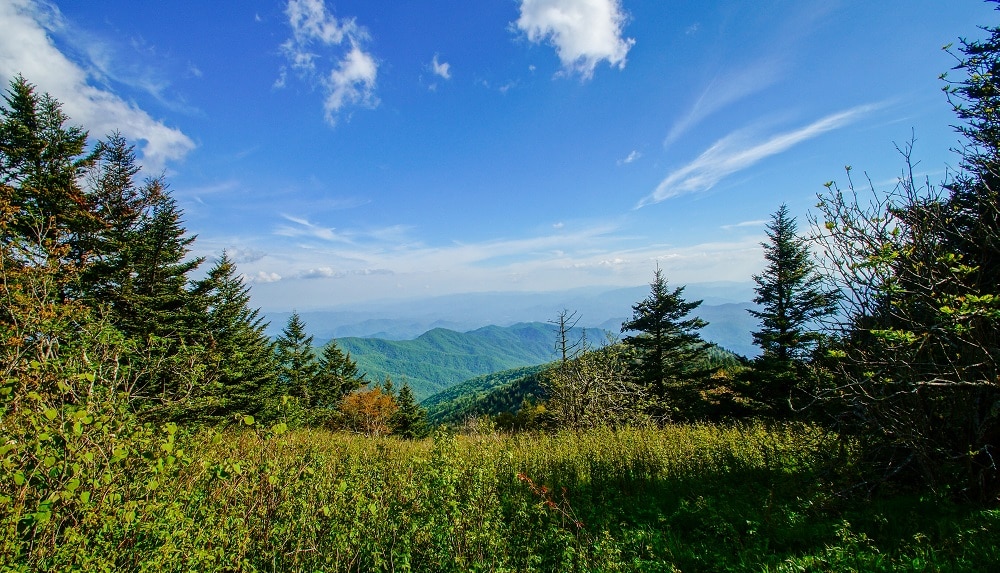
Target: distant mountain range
[
  {"x": 441, "y": 358},
  {"x": 433, "y": 344},
  {"x": 596, "y": 308}
]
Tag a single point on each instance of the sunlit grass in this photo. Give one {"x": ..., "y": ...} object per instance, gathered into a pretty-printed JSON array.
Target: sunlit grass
[{"x": 689, "y": 498}]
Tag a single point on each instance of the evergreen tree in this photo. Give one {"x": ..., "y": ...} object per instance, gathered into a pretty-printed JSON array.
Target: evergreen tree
[
  {"x": 337, "y": 376},
  {"x": 121, "y": 208},
  {"x": 41, "y": 164},
  {"x": 790, "y": 293},
  {"x": 409, "y": 420},
  {"x": 166, "y": 317},
  {"x": 297, "y": 366},
  {"x": 241, "y": 359},
  {"x": 792, "y": 298},
  {"x": 672, "y": 356}
]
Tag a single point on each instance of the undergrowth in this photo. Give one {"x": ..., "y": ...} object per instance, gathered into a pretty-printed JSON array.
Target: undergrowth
[{"x": 684, "y": 498}]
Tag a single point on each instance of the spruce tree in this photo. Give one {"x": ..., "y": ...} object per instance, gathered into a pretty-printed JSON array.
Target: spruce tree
[
  {"x": 672, "y": 356},
  {"x": 297, "y": 366},
  {"x": 410, "y": 420},
  {"x": 241, "y": 359},
  {"x": 337, "y": 376},
  {"x": 42, "y": 161},
  {"x": 791, "y": 294},
  {"x": 121, "y": 206},
  {"x": 792, "y": 299}
]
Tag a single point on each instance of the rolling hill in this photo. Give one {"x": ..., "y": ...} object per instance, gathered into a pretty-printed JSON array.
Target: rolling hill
[{"x": 441, "y": 358}]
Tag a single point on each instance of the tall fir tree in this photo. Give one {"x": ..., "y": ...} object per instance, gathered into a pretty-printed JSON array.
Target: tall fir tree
[
  {"x": 121, "y": 207},
  {"x": 672, "y": 357},
  {"x": 410, "y": 420},
  {"x": 42, "y": 161},
  {"x": 297, "y": 366},
  {"x": 791, "y": 293},
  {"x": 241, "y": 360},
  {"x": 160, "y": 310},
  {"x": 336, "y": 376},
  {"x": 792, "y": 299}
]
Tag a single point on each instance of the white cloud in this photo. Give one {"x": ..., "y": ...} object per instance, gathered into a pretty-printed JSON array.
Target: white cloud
[
  {"x": 241, "y": 255},
  {"x": 319, "y": 273},
  {"x": 743, "y": 224},
  {"x": 727, "y": 88},
  {"x": 352, "y": 83},
  {"x": 442, "y": 69},
  {"x": 583, "y": 32},
  {"x": 263, "y": 277},
  {"x": 351, "y": 79},
  {"x": 304, "y": 228},
  {"x": 632, "y": 157},
  {"x": 311, "y": 22},
  {"x": 734, "y": 153},
  {"x": 27, "y": 47}
]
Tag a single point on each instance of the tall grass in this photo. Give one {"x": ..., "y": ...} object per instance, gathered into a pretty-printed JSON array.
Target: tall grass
[{"x": 688, "y": 498}]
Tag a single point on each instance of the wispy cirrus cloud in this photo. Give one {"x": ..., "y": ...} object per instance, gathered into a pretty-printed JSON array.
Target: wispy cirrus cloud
[
  {"x": 727, "y": 88},
  {"x": 745, "y": 224},
  {"x": 27, "y": 47},
  {"x": 737, "y": 152},
  {"x": 584, "y": 33},
  {"x": 630, "y": 158},
  {"x": 305, "y": 228},
  {"x": 319, "y": 37}
]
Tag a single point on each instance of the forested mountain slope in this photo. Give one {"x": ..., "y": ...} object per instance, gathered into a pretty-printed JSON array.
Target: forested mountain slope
[{"x": 441, "y": 358}]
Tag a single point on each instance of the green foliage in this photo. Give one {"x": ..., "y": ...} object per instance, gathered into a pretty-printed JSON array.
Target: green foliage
[
  {"x": 689, "y": 498},
  {"x": 917, "y": 361},
  {"x": 337, "y": 376},
  {"x": 410, "y": 420}
]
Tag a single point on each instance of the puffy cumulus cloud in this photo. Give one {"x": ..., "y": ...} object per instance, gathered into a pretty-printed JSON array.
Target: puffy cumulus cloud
[
  {"x": 583, "y": 32},
  {"x": 351, "y": 79},
  {"x": 263, "y": 277},
  {"x": 352, "y": 83},
  {"x": 735, "y": 152},
  {"x": 320, "y": 273},
  {"x": 243, "y": 255},
  {"x": 27, "y": 48},
  {"x": 441, "y": 69}
]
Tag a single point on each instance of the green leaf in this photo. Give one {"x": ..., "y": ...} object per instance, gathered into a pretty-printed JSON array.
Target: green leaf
[{"x": 248, "y": 420}]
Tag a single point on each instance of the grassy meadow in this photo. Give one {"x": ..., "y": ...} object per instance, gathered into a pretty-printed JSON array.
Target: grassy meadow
[{"x": 682, "y": 498}]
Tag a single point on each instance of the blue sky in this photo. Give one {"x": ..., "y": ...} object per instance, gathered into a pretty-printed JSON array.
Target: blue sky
[{"x": 354, "y": 150}]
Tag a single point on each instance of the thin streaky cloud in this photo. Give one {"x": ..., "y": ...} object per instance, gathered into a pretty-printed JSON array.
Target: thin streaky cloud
[
  {"x": 727, "y": 88},
  {"x": 743, "y": 224},
  {"x": 631, "y": 158},
  {"x": 734, "y": 153}
]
